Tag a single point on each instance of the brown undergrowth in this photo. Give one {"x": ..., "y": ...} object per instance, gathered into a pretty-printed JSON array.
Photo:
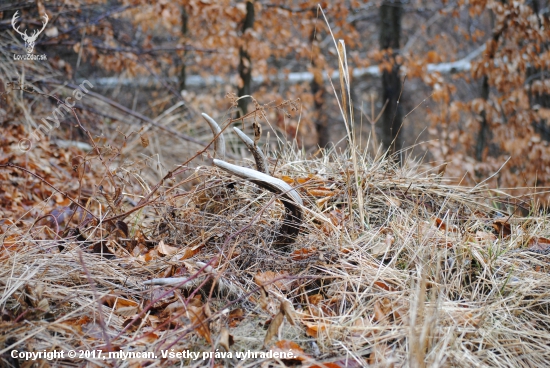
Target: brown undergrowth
[
  {"x": 391, "y": 267},
  {"x": 434, "y": 274}
]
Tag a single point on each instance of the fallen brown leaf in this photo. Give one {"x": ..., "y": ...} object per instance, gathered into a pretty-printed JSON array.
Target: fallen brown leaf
[
  {"x": 235, "y": 317},
  {"x": 270, "y": 279},
  {"x": 226, "y": 339},
  {"x": 502, "y": 227},
  {"x": 303, "y": 253},
  {"x": 321, "y": 192},
  {"x": 315, "y": 299},
  {"x": 290, "y": 347},
  {"x": 274, "y": 328},
  {"x": 165, "y": 249}
]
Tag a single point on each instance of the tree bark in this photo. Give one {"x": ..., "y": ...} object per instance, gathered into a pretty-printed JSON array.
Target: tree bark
[
  {"x": 318, "y": 91},
  {"x": 245, "y": 64},
  {"x": 533, "y": 74},
  {"x": 390, "y": 32},
  {"x": 184, "y": 23},
  {"x": 484, "y": 126}
]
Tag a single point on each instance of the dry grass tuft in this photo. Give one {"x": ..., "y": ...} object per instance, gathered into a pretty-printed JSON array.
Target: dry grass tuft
[{"x": 428, "y": 282}]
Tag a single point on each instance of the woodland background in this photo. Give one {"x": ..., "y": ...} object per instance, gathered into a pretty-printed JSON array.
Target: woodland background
[{"x": 471, "y": 77}]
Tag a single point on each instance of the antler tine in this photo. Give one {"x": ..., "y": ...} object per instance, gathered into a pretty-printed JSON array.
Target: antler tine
[
  {"x": 45, "y": 23},
  {"x": 261, "y": 162},
  {"x": 290, "y": 198},
  {"x": 35, "y": 33},
  {"x": 13, "y": 21},
  {"x": 219, "y": 143}
]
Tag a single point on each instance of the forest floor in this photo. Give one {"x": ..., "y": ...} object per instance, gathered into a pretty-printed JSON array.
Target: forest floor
[{"x": 391, "y": 265}]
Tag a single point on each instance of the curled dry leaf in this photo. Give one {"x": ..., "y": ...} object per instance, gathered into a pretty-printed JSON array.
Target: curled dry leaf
[
  {"x": 263, "y": 298},
  {"x": 144, "y": 141},
  {"x": 302, "y": 181},
  {"x": 274, "y": 328},
  {"x": 149, "y": 256},
  {"x": 43, "y": 305},
  {"x": 313, "y": 329},
  {"x": 484, "y": 236},
  {"x": 502, "y": 227},
  {"x": 383, "y": 285},
  {"x": 267, "y": 280},
  {"x": 539, "y": 243},
  {"x": 134, "y": 321},
  {"x": 287, "y": 179},
  {"x": 382, "y": 308},
  {"x": 290, "y": 346},
  {"x": 197, "y": 315},
  {"x": 165, "y": 249},
  {"x": 147, "y": 339},
  {"x": 123, "y": 227},
  {"x": 288, "y": 310},
  {"x": 321, "y": 202},
  {"x": 121, "y": 306},
  {"x": 139, "y": 250},
  {"x": 321, "y": 192},
  {"x": 383, "y": 247},
  {"x": 257, "y": 132},
  {"x": 442, "y": 225},
  {"x": 226, "y": 339},
  {"x": 188, "y": 253},
  {"x": 168, "y": 272},
  {"x": 315, "y": 299},
  {"x": 285, "y": 310},
  {"x": 191, "y": 251},
  {"x": 235, "y": 317},
  {"x": 303, "y": 253},
  {"x": 74, "y": 324},
  {"x": 330, "y": 365},
  {"x": 336, "y": 217}
]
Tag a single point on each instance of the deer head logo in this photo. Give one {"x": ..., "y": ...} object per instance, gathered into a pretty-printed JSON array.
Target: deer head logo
[{"x": 29, "y": 40}]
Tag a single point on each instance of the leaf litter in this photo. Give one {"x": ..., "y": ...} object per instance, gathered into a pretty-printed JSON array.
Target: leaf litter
[{"x": 425, "y": 273}]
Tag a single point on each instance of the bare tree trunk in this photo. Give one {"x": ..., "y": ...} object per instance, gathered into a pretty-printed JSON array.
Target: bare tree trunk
[
  {"x": 390, "y": 32},
  {"x": 484, "y": 126},
  {"x": 245, "y": 64},
  {"x": 318, "y": 92},
  {"x": 538, "y": 100},
  {"x": 184, "y": 22}
]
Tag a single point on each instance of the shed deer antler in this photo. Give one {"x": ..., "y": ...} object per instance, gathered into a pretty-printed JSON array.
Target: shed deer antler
[
  {"x": 261, "y": 162},
  {"x": 289, "y": 196},
  {"x": 29, "y": 40},
  {"x": 219, "y": 143}
]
